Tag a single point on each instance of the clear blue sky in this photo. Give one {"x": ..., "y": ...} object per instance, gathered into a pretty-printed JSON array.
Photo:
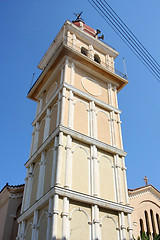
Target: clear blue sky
[{"x": 27, "y": 30}]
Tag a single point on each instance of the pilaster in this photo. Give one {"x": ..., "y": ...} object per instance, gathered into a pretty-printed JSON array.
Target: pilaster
[
  {"x": 73, "y": 40},
  {"x": 58, "y": 109},
  {"x": 93, "y": 120},
  {"x": 22, "y": 230},
  {"x": 59, "y": 158},
  {"x": 32, "y": 141},
  {"x": 71, "y": 110},
  {"x": 29, "y": 187},
  {"x": 47, "y": 124},
  {"x": 113, "y": 136},
  {"x": 54, "y": 162},
  {"x": 120, "y": 131},
  {"x": 90, "y": 52},
  {"x": 72, "y": 73},
  {"x": 95, "y": 171},
  {"x": 54, "y": 217},
  {"x": 96, "y": 222},
  {"x": 65, "y": 215},
  {"x": 123, "y": 227},
  {"x": 36, "y": 135},
  {"x": 62, "y": 105},
  {"x": 125, "y": 180},
  {"x": 49, "y": 220},
  {"x": 68, "y": 175},
  {"x": 118, "y": 186},
  {"x": 41, "y": 175},
  {"x": 35, "y": 226},
  {"x": 130, "y": 228}
]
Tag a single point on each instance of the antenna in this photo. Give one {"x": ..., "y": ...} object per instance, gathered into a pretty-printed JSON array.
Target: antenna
[
  {"x": 125, "y": 70},
  {"x": 32, "y": 80}
]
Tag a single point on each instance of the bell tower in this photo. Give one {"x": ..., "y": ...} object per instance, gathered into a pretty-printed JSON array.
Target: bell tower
[{"x": 76, "y": 185}]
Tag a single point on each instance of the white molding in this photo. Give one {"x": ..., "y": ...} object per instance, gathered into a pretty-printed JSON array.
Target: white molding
[
  {"x": 95, "y": 82},
  {"x": 68, "y": 160},
  {"x": 72, "y": 73},
  {"x": 76, "y": 196},
  {"x": 91, "y": 98},
  {"x": 122, "y": 226},
  {"x": 36, "y": 136},
  {"x": 110, "y": 217},
  {"x": 62, "y": 106},
  {"x": 54, "y": 216},
  {"x": 64, "y": 215},
  {"x": 49, "y": 218},
  {"x": 143, "y": 191},
  {"x": 54, "y": 162},
  {"x": 41, "y": 175},
  {"x": 78, "y": 136},
  {"x": 47, "y": 124},
  {"x": 70, "y": 110},
  {"x": 47, "y": 105},
  {"x": 96, "y": 223},
  {"x": 59, "y": 158},
  {"x": 125, "y": 180},
  {"x": 43, "y": 147},
  {"x": 80, "y": 209},
  {"x": 130, "y": 227},
  {"x": 92, "y": 141}
]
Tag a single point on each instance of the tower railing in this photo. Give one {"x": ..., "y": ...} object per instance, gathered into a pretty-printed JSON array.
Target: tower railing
[{"x": 69, "y": 42}]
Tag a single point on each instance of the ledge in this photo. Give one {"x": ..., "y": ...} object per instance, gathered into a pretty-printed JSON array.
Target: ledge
[{"x": 76, "y": 196}]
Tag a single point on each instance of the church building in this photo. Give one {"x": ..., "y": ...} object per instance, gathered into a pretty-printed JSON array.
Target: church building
[
  {"x": 146, "y": 214},
  {"x": 76, "y": 186}
]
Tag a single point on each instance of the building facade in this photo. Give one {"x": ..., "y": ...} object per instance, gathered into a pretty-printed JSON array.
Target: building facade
[
  {"x": 146, "y": 214},
  {"x": 10, "y": 208},
  {"x": 76, "y": 176}
]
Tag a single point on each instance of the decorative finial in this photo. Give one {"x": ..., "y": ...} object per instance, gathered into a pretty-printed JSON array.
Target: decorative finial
[
  {"x": 146, "y": 180},
  {"x": 78, "y": 15}
]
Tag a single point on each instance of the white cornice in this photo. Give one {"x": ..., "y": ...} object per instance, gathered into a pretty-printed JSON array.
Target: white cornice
[
  {"x": 76, "y": 135},
  {"x": 79, "y": 197},
  {"x": 91, "y": 98},
  {"x": 92, "y": 141},
  {"x": 135, "y": 193},
  {"x": 78, "y": 93}
]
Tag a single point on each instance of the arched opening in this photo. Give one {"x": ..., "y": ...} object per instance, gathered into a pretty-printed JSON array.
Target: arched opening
[
  {"x": 141, "y": 227},
  {"x": 97, "y": 58},
  {"x": 15, "y": 223},
  {"x": 147, "y": 223},
  {"x": 84, "y": 51},
  {"x": 158, "y": 223},
  {"x": 153, "y": 223}
]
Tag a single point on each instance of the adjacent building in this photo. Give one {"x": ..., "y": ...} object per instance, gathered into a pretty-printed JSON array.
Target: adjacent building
[
  {"x": 10, "y": 208},
  {"x": 146, "y": 214}
]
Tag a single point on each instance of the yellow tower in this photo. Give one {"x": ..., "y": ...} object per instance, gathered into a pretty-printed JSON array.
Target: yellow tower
[{"x": 76, "y": 185}]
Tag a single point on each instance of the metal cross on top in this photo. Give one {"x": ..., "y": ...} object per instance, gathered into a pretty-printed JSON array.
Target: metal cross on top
[{"x": 146, "y": 180}]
